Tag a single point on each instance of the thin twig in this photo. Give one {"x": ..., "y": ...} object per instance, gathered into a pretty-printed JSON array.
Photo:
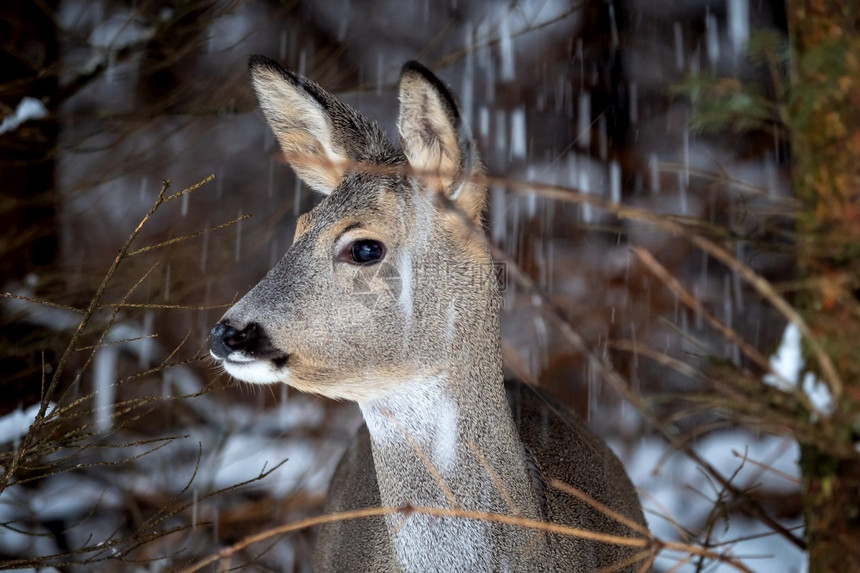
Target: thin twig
[
  {"x": 187, "y": 190},
  {"x": 452, "y": 57},
  {"x": 228, "y": 552},
  {"x": 42, "y": 302},
  {"x": 494, "y": 477},
  {"x": 428, "y": 464},
  {"x": 175, "y": 240},
  {"x": 602, "y": 508},
  {"x": 76, "y": 310},
  {"x": 661, "y": 357},
  {"x": 696, "y": 306},
  {"x": 767, "y": 468}
]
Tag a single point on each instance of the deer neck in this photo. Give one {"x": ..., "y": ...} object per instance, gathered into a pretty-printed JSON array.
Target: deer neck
[{"x": 448, "y": 441}]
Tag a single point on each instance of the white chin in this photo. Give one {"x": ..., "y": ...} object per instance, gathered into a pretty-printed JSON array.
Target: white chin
[{"x": 254, "y": 371}]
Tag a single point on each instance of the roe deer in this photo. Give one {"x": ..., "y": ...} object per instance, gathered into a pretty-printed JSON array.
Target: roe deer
[{"x": 387, "y": 297}]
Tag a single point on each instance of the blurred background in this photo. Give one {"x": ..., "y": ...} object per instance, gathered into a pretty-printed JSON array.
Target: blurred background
[{"x": 609, "y": 193}]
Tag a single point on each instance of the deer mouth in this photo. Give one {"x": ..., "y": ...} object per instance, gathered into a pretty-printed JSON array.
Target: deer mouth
[
  {"x": 248, "y": 354},
  {"x": 256, "y": 370}
]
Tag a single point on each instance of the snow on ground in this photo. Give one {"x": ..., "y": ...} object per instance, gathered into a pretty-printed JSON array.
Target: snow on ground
[
  {"x": 28, "y": 108},
  {"x": 677, "y": 494},
  {"x": 16, "y": 424},
  {"x": 787, "y": 364}
]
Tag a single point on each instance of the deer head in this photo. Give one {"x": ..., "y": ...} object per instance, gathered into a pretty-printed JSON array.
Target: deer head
[{"x": 388, "y": 277}]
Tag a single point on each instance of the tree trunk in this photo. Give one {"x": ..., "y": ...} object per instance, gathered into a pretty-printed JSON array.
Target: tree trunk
[
  {"x": 29, "y": 62},
  {"x": 28, "y": 211},
  {"x": 825, "y": 139}
]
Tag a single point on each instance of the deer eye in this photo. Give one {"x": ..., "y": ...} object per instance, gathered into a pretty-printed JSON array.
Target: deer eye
[{"x": 364, "y": 251}]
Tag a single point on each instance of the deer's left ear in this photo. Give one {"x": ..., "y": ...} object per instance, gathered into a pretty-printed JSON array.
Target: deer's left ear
[{"x": 437, "y": 145}]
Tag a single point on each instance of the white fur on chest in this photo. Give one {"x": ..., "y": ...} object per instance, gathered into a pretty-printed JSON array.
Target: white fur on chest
[
  {"x": 415, "y": 426},
  {"x": 419, "y": 416}
]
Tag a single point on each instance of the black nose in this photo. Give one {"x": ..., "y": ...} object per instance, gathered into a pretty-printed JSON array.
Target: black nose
[{"x": 226, "y": 339}]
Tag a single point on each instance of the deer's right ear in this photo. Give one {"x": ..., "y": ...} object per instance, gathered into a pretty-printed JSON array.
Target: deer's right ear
[{"x": 297, "y": 111}]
